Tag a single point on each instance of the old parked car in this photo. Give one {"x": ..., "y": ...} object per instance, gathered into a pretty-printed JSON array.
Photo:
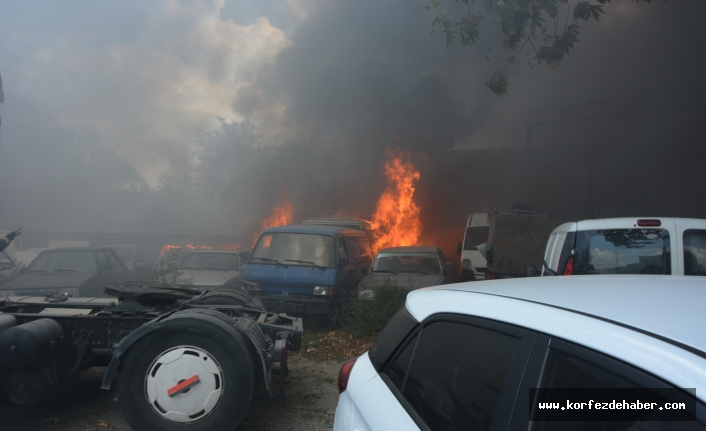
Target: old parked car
[
  {"x": 405, "y": 268},
  {"x": 466, "y": 357},
  {"x": 214, "y": 269},
  {"x": 77, "y": 271},
  {"x": 306, "y": 269}
]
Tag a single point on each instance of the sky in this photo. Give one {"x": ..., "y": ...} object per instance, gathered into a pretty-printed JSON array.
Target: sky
[{"x": 130, "y": 86}]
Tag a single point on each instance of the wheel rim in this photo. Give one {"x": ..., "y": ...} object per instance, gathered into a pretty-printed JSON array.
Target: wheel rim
[{"x": 184, "y": 384}]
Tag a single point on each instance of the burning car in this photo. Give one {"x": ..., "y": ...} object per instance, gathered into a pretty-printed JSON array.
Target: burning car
[
  {"x": 406, "y": 269},
  {"x": 214, "y": 269},
  {"x": 78, "y": 271}
]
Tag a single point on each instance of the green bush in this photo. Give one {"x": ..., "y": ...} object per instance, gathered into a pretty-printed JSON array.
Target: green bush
[
  {"x": 166, "y": 271},
  {"x": 9, "y": 275},
  {"x": 361, "y": 318}
]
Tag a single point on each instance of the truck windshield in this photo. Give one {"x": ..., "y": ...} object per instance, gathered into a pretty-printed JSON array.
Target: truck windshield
[
  {"x": 296, "y": 249},
  {"x": 64, "y": 260},
  {"x": 427, "y": 263},
  {"x": 623, "y": 251},
  {"x": 475, "y": 236}
]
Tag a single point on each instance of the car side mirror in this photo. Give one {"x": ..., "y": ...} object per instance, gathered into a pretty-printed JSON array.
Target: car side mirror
[
  {"x": 458, "y": 249},
  {"x": 364, "y": 270},
  {"x": 344, "y": 260},
  {"x": 531, "y": 271}
]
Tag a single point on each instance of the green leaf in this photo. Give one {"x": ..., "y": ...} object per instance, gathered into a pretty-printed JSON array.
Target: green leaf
[
  {"x": 435, "y": 3},
  {"x": 586, "y": 11},
  {"x": 498, "y": 83}
]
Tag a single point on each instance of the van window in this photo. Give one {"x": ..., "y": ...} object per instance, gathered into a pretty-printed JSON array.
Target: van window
[
  {"x": 354, "y": 251},
  {"x": 475, "y": 236},
  {"x": 695, "y": 252},
  {"x": 297, "y": 249},
  {"x": 623, "y": 251}
]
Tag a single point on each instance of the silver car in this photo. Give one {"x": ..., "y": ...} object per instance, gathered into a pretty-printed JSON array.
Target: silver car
[
  {"x": 213, "y": 269},
  {"x": 405, "y": 268}
]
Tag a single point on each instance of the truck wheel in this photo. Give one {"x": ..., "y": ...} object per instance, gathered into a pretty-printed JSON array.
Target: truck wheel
[
  {"x": 228, "y": 297},
  {"x": 193, "y": 374}
]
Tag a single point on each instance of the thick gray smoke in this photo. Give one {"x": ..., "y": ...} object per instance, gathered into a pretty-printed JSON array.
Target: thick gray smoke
[{"x": 350, "y": 80}]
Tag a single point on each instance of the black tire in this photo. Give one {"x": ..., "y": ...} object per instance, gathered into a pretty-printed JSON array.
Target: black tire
[
  {"x": 231, "y": 297},
  {"x": 201, "y": 335}
]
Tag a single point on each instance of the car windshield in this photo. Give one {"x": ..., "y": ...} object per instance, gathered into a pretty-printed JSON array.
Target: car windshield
[
  {"x": 124, "y": 253},
  {"x": 623, "y": 251},
  {"x": 401, "y": 262},
  {"x": 64, "y": 260},
  {"x": 295, "y": 249},
  {"x": 220, "y": 261}
]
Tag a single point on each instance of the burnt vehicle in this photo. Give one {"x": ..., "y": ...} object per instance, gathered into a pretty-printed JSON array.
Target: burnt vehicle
[
  {"x": 214, "y": 269},
  {"x": 77, "y": 271},
  {"x": 405, "y": 268},
  {"x": 181, "y": 359}
]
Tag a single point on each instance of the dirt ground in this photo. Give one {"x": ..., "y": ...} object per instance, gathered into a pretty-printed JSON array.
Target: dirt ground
[{"x": 312, "y": 395}]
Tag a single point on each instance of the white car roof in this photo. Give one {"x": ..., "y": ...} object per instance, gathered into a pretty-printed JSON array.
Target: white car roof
[
  {"x": 653, "y": 322},
  {"x": 629, "y": 222}
]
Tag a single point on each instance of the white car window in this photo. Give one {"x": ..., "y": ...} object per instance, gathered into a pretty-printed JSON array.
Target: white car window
[{"x": 456, "y": 374}]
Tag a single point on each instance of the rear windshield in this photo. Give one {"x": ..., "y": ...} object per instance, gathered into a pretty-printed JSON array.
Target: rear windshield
[
  {"x": 295, "y": 249},
  {"x": 623, "y": 251},
  {"x": 695, "y": 252},
  {"x": 427, "y": 263},
  {"x": 475, "y": 236},
  {"x": 64, "y": 261}
]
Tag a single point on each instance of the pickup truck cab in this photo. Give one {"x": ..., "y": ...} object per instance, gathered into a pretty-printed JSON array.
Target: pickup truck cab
[
  {"x": 656, "y": 245},
  {"x": 306, "y": 269}
]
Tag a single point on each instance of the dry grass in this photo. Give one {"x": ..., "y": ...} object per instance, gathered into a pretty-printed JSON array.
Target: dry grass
[{"x": 333, "y": 345}]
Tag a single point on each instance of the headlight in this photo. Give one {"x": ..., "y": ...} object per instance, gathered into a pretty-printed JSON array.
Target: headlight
[
  {"x": 366, "y": 294},
  {"x": 466, "y": 265},
  {"x": 319, "y": 290},
  {"x": 70, "y": 291}
]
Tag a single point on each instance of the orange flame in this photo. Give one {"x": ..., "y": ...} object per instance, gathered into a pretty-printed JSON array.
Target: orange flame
[
  {"x": 282, "y": 214},
  {"x": 169, "y": 247},
  {"x": 396, "y": 219}
]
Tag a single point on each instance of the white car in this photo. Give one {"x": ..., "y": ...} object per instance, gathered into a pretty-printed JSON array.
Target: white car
[{"x": 467, "y": 356}]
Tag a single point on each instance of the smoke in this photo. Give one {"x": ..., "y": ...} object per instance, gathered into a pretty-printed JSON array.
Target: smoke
[{"x": 325, "y": 88}]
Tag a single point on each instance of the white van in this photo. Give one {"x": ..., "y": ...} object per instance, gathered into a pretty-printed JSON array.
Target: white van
[
  {"x": 656, "y": 245},
  {"x": 472, "y": 261}
]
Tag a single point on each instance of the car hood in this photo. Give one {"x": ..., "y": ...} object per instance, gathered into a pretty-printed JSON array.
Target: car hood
[
  {"x": 402, "y": 281},
  {"x": 208, "y": 277},
  {"x": 36, "y": 280}
]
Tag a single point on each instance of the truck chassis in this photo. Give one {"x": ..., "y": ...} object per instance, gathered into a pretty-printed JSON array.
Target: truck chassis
[{"x": 181, "y": 359}]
